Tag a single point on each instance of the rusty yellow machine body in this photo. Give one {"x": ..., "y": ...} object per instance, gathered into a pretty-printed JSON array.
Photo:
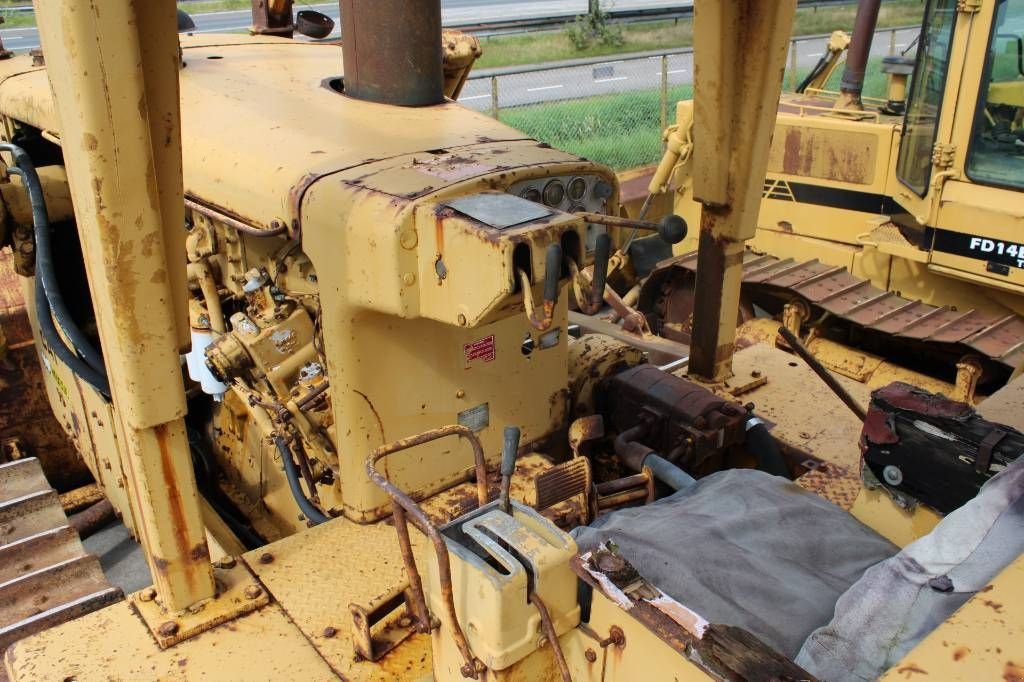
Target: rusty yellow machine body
[
  {"x": 326, "y": 375},
  {"x": 870, "y": 205}
]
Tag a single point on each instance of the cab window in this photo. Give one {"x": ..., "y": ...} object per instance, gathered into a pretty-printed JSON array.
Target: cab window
[
  {"x": 921, "y": 123},
  {"x": 996, "y": 154}
]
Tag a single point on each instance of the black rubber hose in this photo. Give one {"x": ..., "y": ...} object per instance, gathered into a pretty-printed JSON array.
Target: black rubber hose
[
  {"x": 49, "y": 333},
  {"x": 45, "y": 268},
  {"x": 292, "y": 473},
  {"x": 762, "y": 444}
]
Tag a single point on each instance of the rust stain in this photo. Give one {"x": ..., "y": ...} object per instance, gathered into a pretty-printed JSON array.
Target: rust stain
[
  {"x": 1013, "y": 672},
  {"x": 910, "y": 669},
  {"x": 961, "y": 652},
  {"x": 994, "y": 605},
  {"x": 175, "y": 504}
]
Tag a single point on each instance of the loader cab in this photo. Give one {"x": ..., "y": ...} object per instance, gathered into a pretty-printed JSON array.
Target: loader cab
[{"x": 960, "y": 169}]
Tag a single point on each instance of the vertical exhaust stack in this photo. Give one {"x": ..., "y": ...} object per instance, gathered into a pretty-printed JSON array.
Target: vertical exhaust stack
[
  {"x": 857, "y": 57},
  {"x": 392, "y": 51}
]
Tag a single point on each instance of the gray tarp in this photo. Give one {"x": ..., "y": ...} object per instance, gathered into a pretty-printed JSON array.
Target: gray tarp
[
  {"x": 901, "y": 600},
  {"x": 746, "y": 548}
]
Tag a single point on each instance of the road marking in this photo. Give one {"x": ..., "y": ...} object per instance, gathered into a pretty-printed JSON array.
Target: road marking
[
  {"x": 609, "y": 80},
  {"x": 658, "y": 73},
  {"x": 464, "y": 99},
  {"x": 546, "y": 87},
  {"x": 9, "y": 38},
  {"x": 814, "y": 54}
]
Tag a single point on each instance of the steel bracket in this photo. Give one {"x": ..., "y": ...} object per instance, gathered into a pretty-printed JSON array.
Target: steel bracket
[
  {"x": 391, "y": 608},
  {"x": 238, "y": 593}
]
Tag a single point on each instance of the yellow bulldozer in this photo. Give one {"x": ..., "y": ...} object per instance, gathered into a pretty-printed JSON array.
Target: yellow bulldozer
[
  {"x": 889, "y": 230},
  {"x": 332, "y": 347}
]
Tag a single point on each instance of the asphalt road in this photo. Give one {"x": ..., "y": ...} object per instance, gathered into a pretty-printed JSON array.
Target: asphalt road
[
  {"x": 617, "y": 76},
  {"x": 453, "y": 13}
]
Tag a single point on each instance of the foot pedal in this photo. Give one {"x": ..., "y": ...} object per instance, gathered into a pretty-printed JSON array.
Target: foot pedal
[{"x": 562, "y": 482}]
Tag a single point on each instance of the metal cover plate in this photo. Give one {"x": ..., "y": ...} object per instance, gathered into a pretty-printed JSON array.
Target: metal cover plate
[{"x": 499, "y": 210}]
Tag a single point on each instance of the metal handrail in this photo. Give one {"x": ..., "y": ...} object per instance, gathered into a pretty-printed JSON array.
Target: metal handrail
[{"x": 403, "y": 505}]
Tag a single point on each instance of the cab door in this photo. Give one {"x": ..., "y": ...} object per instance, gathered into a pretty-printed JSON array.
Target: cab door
[{"x": 978, "y": 232}]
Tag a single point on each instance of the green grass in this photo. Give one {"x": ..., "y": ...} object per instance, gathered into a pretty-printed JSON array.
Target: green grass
[
  {"x": 200, "y": 6},
  {"x": 622, "y": 131},
  {"x": 546, "y": 46},
  {"x": 17, "y": 19}
]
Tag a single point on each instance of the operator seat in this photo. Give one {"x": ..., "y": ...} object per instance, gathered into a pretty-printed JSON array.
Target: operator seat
[{"x": 745, "y": 548}]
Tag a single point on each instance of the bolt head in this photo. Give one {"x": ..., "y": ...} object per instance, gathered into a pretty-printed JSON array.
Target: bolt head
[
  {"x": 590, "y": 655},
  {"x": 330, "y": 632},
  {"x": 404, "y": 621},
  {"x": 253, "y": 592},
  {"x": 148, "y": 594},
  {"x": 266, "y": 558},
  {"x": 168, "y": 629},
  {"x": 225, "y": 562}
]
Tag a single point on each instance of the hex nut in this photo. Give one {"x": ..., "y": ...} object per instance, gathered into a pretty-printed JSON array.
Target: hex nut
[
  {"x": 253, "y": 592},
  {"x": 225, "y": 562},
  {"x": 330, "y": 631},
  {"x": 168, "y": 629},
  {"x": 266, "y": 558},
  {"x": 148, "y": 594}
]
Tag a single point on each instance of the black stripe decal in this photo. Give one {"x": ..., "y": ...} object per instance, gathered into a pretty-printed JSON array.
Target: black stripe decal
[{"x": 848, "y": 199}]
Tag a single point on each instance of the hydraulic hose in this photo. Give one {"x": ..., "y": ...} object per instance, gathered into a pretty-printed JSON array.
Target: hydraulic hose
[
  {"x": 668, "y": 473},
  {"x": 97, "y": 380},
  {"x": 291, "y": 472},
  {"x": 636, "y": 456},
  {"x": 765, "y": 448},
  {"x": 45, "y": 268}
]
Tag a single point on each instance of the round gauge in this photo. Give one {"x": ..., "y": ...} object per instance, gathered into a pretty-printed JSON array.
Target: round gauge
[
  {"x": 531, "y": 194},
  {"x": 577, "y": 208},
  {"x": 602, "y": 190},
  {"x": 554, "y": 192},
  {"x": 577, "y": 189}
]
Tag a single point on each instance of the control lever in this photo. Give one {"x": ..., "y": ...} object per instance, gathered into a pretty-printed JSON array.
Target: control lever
[
  {"x": 672, "y": 228},
  {"x": 508, "y": 467},
  {"x": 552, "y": 273},
  {"x": 590, "y": 292}
]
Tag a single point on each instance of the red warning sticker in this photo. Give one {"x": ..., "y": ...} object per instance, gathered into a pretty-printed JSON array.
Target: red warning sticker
[{"x": 482, "y": 349}]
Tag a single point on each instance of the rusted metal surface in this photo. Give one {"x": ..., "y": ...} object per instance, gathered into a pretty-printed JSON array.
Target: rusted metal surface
[
  {"x": 80, "y": 498},
  {"x": 25, "y": 412},
  {"x": 562, "y": 482},
  {"x": 679, "y": 419},
  {"x": 129, "y": 207},
  {"x": 373, "y": 642},
  {"x": 460, "y": 51},
  {"x": 721, "y": 651},
  {"x": 92, "y": 519},
  {"x": 711, "y": 346},
  {"x": 540, "y": 319},
  {"x": 272, "y": 17},
  {"x": 551, "y": 636},
  {"x": 238, "y": 593},
  {"x": 403, "y": 504},
  {"x": 46, "y": 577},
  {"x": 834, "y": 290},
  {"x": 826, "y": 376},
  {"x": 857, "y": 54},
  {"x": 392, "y": 51}
]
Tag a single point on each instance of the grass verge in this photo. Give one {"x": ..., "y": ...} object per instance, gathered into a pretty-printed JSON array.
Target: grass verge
[
  {"x": 546, "y": 46},
  {"x": 624, "y": 130}
]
